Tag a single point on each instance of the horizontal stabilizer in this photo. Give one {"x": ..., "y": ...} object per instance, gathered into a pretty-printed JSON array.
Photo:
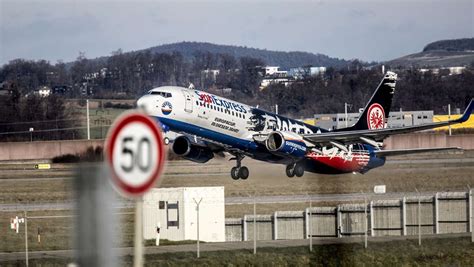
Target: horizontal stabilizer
[{"x": 397, "y": 152}]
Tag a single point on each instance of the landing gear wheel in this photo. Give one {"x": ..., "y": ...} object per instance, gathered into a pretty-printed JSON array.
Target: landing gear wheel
[
  {"x": 234, "y": 173},
  {"x": 244, "y": 173},
  {"x": 239, "y": 172},
  {"x": 299, "y": 169},
  {"x": 290, "y": 170}
]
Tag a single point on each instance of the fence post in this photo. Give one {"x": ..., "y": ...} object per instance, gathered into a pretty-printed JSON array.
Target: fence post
[
  {"x": 471, "y": 221},
  {"x": 339, "y": 221},
  {"x": 254, "y": 225},
  {"x": 404, "y": 216},
  {"x": 244, "y": 223},
  {"x": 436, "y": 204},
  {"x": 366, "y": 222},
  {"x": 275, "y": 226},
  {"x": 310, "y": 233},
  {"x": 371, "y": 214}
]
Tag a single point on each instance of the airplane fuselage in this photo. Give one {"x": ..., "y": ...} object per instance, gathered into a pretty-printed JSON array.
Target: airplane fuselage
[{"x": 236, "y": 127}]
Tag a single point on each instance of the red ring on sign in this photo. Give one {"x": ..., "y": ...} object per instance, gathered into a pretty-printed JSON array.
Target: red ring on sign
[{"x": 115, "y": 130}]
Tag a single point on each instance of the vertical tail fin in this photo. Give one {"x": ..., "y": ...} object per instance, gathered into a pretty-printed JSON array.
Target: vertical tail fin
[{"x": 376, "y": 111}]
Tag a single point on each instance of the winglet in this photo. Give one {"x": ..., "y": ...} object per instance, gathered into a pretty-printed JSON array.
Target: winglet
[{"x": 467, "y": 113}]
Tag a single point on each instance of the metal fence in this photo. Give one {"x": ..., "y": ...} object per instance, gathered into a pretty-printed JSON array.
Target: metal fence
[{"x": 441, "y": 213}]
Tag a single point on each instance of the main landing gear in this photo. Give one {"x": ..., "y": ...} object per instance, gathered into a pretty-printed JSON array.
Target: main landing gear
[
  {"x": 293, "y": 169},
  {"x": 239, "y": 172}
]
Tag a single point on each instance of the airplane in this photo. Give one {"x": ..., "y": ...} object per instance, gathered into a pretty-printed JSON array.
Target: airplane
[{"x": 210, "y": 125}]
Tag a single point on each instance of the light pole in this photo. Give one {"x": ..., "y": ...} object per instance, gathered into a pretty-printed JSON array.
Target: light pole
[
  {"x": 31, "y": 134},
  {"x": 197, "y": 224},
  {"x": 26, "y": 239},
  {"x": 346, "y": 107},
  {"x": 345, "y": 112}
]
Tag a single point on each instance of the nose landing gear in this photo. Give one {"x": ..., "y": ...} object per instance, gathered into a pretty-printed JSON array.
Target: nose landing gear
[
  {"x": 296, "y": 168},
  {"x": 239, "y": 172}
]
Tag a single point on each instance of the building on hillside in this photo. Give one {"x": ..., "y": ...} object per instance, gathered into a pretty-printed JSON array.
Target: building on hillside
[
  {"x": 43, "y": 91},
  {"x": 449, "y": 70},
  {"x": 270, "y": 70},
  {"x": 61, "y": 89},
  {"x": 304, "y": 72},
  {"x": 286, "y": 81},
  {"x": 174, "y": 212},
  {"x": 4, "y": 88},
  {"x": 210, "y": 74}
]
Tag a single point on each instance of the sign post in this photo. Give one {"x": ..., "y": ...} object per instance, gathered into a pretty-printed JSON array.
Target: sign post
[
  {"x": 15, "y": 225},
  {"x": 136, "y": 156}
]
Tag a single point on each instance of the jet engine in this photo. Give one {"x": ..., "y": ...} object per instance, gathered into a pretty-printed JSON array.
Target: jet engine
[
  {"x": 192, "y": 151},
  {"x": 286, "y": 144}
]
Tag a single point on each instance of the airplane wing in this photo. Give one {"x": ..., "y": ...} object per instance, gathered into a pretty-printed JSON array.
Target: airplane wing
[
  {"x": 396, "y": 152},
  {"x": 380, "y": 134}
]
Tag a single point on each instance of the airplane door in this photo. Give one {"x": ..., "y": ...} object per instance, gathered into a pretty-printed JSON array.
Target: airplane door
[{"x": 188, "y": 105}]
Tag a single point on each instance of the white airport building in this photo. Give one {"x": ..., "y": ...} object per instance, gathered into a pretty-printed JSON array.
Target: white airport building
[{"x": 174, "y": 211}]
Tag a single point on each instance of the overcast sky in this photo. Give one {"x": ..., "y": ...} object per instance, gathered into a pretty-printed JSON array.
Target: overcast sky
[{"x": 369, "y": 30}]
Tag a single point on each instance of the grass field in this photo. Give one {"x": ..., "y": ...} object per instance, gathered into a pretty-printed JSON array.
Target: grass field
[
  {"x": 434, "y": 252},
  {"x": 56, "y": 232}
]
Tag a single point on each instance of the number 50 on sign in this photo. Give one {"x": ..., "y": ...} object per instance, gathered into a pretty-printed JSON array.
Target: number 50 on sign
[{"x": 135, "y": 153}]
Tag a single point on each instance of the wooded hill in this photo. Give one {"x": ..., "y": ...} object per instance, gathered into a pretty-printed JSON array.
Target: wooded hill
[{"x": 439, "y": 54}]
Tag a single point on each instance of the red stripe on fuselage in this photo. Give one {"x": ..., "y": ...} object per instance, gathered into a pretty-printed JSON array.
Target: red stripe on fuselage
[{"x": 342, "y": 163}]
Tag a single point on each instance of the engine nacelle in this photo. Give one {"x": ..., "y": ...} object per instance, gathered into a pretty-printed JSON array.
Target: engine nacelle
[
  {"x": 189, "y": 150},
  {"x": 286, "y": 144}
]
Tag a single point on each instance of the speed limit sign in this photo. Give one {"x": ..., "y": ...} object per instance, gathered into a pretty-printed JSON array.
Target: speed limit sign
[{"x": 135, "y": 153}]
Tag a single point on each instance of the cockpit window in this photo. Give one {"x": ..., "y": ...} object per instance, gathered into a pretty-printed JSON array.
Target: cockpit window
[{"x": 163, "y": 94}]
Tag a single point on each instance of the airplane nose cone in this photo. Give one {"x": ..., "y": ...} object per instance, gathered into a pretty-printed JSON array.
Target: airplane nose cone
[{"x": 141, "y": 104}]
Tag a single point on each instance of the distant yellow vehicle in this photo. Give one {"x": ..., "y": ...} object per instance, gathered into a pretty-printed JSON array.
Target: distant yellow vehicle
[
  {"x": 309, "y": 121},
  {"x": 440, "y": 118}
]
